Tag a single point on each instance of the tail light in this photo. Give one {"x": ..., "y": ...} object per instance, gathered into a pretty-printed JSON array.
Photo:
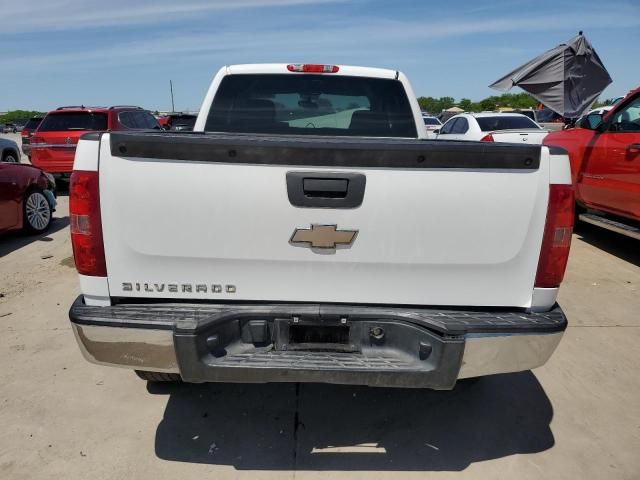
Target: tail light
[
  {"x": 308, "y": 68},
  {"x": 557, "y": 237},
  {"x": 86, "y": 224},
  {"x": 487, "y": 138}
]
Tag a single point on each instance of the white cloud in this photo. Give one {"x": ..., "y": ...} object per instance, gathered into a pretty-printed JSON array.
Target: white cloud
[{"x": 53, "y": 15}]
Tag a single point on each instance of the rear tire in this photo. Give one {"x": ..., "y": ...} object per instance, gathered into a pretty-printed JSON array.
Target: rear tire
[
  {"x": 37, "y": 212},
  {"x": 158, "y": 376},
  {"x": 11, "y": 157}
]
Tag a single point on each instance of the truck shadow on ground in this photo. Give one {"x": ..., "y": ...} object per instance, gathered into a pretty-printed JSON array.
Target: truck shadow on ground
[
  {"x": 15, "y": 240},
  {"x": 625, "y": 248},
  {"x": 329, "y": 427}
]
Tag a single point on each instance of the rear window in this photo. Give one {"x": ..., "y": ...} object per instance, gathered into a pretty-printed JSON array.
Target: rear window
[
  {"x": 32, "y": 123},
  {"x": 431, "y": 121},
  {"x": 526, "y": 113},
  {"x": 60, "y": 122},
  {"x": 138, "y": 119},
  {"x": 311, "y": 105},
  {"x": 505, "y": 122}
]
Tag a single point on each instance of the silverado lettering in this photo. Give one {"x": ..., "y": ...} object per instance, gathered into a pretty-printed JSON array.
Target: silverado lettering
[{"x": 175, "y": 287}]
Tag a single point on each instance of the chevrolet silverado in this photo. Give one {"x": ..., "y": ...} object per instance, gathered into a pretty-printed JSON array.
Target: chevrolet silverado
[{"x": 306, "y": 231}]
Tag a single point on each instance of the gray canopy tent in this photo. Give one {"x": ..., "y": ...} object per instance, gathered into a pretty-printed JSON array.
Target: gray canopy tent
[{"x": 567, "y": 78}]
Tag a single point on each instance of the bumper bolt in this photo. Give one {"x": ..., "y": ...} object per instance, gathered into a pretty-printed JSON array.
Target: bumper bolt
[
  {"x": 377, "y": 333},
  {"x": 424, "y": 350}
]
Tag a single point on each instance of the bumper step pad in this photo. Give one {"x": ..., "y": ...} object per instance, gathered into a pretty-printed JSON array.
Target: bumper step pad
[{"x": 324, "y": 360}]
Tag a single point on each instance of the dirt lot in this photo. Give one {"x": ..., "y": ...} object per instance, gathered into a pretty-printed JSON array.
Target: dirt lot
[{"x": 577, "y": 417}]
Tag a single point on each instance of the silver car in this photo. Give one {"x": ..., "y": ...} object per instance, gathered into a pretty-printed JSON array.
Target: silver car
[{"x": 9, "y": 151}]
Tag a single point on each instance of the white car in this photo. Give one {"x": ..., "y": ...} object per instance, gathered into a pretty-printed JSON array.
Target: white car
[
  {"x": 492, "y": 127},
  {"x": 431, "y": 124}
]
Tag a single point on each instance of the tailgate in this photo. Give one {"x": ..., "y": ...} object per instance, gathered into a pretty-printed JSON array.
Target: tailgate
[{"x": 204, "y": 216}]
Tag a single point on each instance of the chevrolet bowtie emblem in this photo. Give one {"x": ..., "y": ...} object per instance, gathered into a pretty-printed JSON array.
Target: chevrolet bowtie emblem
[{"x": 322, "y": 236}]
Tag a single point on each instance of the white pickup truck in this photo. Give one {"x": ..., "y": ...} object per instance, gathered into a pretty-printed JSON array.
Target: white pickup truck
[{"x": 306, "y": 231}]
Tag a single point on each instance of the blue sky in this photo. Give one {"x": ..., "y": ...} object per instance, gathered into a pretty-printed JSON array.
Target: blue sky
[{"x": 97, "y": 52}]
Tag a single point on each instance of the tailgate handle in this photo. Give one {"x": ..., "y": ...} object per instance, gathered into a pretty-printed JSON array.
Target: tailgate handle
[{"x": 325, "y": 189}]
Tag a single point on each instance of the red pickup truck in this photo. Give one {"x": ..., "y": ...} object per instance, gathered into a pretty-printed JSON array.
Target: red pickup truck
[{"x": 604, "y": 150}]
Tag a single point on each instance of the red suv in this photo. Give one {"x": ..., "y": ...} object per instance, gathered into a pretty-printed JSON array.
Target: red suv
[{"x": 53, "y": 146}]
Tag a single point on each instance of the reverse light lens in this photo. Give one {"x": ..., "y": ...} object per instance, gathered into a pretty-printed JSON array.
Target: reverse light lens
[
  {"x": 86, "y": 224},
  {"x": 556, "y": 241},
  {"x": 309, "y": 68}
]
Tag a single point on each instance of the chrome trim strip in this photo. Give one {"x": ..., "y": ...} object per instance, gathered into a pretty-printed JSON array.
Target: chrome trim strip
[{"x": 53, "y": 145}]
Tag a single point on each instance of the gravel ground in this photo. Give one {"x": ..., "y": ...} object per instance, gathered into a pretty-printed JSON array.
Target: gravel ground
[{"x": 576, "y": 417}]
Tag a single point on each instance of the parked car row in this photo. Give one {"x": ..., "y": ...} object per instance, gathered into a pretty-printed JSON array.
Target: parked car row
[
  {"x": 604, "y": 146},
  {"x": 9, "y": 128},
  {"x": 27, "y": 192}
]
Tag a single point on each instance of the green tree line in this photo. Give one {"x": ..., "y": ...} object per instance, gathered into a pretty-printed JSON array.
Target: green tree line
[
  {"x": 11, "y": 117},
  {"x": 513, "y": 100}
]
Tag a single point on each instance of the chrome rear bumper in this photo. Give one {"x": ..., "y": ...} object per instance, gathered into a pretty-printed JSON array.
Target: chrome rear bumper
[{"x": 253, "y": 343}]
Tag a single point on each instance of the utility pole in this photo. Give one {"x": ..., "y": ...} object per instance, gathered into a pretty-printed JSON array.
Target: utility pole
[{"x": 173, "y": 108}]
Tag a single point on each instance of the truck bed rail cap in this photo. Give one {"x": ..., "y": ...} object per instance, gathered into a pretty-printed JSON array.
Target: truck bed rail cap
[{"x": 324, "y": 151}]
